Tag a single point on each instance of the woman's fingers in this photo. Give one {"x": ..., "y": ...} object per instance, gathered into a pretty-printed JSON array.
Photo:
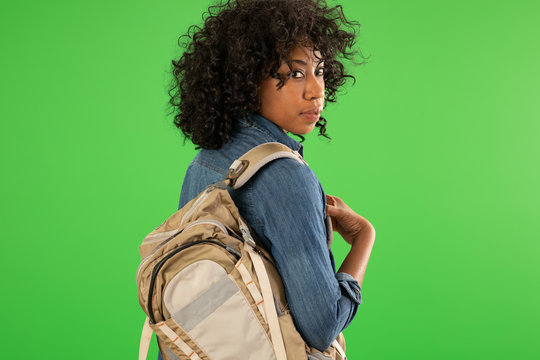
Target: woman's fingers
[
  {"x": 330, "y": 200},
  {"x": 336, "y": 201},
  {"x": 344, "y": 220},
  {"x": 333, "y": 206},
  {"x": 335, "y": 211}
]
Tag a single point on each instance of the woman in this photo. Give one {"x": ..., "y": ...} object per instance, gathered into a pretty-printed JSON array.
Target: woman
[{"x": 254, "y": 72}]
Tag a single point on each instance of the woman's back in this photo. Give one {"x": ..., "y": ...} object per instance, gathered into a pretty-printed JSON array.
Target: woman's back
[{"x": 285, "y": 205}]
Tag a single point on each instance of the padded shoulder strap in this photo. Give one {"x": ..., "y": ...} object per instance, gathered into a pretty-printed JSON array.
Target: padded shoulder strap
[{"x": 242, "y": 169}]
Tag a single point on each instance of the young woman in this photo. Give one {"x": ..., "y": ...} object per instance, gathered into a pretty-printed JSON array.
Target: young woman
[{"x": 254, "y": 72}]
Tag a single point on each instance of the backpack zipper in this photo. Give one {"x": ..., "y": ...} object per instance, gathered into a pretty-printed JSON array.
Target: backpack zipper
[
  {"x": 197, "y": 204},
  {"x": 210, "y": 222},
  {"x": 160, "y": 264},
  {"x": 199, "y": 222}
]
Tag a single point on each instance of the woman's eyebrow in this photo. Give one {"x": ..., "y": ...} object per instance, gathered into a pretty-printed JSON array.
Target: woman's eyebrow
[
  {"x": 305, "y": 63},
  {"x": 299, "y": 61}
]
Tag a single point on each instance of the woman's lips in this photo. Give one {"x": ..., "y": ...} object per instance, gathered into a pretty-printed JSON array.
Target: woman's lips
[{"x": 311, "y": 116}]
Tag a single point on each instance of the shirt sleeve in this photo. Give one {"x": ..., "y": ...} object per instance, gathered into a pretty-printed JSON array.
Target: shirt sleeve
[{"x": 289, "y": 204}]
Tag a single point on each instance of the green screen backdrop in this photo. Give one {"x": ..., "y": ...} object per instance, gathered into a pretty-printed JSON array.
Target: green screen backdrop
[{"x": 437, "y": 144}]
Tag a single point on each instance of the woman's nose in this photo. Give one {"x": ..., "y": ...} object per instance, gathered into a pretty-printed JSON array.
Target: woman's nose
[{"x": 314, "y": 87}]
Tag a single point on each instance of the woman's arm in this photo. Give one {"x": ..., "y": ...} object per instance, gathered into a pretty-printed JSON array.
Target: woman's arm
[
  {"x": 356, "y": 231},
  {"x": 286, "y": 203}
]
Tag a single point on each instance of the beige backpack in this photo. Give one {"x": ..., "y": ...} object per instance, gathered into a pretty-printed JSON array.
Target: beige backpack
[{"x": 210, "y": 290}]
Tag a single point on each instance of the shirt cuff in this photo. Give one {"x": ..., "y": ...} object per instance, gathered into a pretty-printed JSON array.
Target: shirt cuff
[{"x": 350, "y": 285}]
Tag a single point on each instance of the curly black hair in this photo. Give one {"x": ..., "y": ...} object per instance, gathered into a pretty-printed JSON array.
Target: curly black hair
[{"x": 216, "y": 80}]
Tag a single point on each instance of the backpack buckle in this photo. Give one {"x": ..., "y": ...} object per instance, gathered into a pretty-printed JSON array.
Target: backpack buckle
[
  {"x": 237, "y": 168},
  {"x": 247, "y": 235}
]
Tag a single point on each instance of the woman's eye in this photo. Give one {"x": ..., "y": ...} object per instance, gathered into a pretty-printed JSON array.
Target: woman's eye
[
  {"x": 297, "y": 74},
  {"x": 319, "y": 72}
]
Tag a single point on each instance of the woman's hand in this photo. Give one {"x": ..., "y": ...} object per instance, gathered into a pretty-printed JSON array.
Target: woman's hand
[
  {"x": 355, "y": 230},
  {"x": 351, "y": 226}
]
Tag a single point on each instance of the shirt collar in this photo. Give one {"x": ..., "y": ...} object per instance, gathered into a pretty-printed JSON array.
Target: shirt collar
[{"x": 275, "y": 132}]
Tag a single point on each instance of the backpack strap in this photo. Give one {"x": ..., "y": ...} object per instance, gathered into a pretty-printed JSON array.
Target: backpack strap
[
  {"x": 267, "y": 295},
  {"x": 339, "y": 349},
  {"x": 243, "y": 168},
  {"x": 146, "y": 337}
]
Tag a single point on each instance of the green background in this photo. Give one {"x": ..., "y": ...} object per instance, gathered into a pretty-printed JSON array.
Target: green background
[{"x": 437, "y": 145}]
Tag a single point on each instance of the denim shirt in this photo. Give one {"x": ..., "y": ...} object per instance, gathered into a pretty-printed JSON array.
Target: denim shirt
[{"x": 286, "y": 206}]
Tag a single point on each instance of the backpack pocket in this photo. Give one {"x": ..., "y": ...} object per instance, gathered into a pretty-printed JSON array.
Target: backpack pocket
[{"x": 209, "y": 306}]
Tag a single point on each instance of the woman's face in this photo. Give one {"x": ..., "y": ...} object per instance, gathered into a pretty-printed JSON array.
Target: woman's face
[{"x": 297, "y": 106}]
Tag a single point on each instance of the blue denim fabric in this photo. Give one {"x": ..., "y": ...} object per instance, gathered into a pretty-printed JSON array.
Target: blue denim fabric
[{"x": 286, "y": 206}]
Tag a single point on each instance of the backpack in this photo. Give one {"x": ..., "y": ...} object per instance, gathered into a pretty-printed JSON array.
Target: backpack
[{"x": 210, "y": 290}]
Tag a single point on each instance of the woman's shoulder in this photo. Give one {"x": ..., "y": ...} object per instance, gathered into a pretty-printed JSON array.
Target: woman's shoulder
[
  {"x": 221, "y": 159},
  {"x": 287, "y": 180}
]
